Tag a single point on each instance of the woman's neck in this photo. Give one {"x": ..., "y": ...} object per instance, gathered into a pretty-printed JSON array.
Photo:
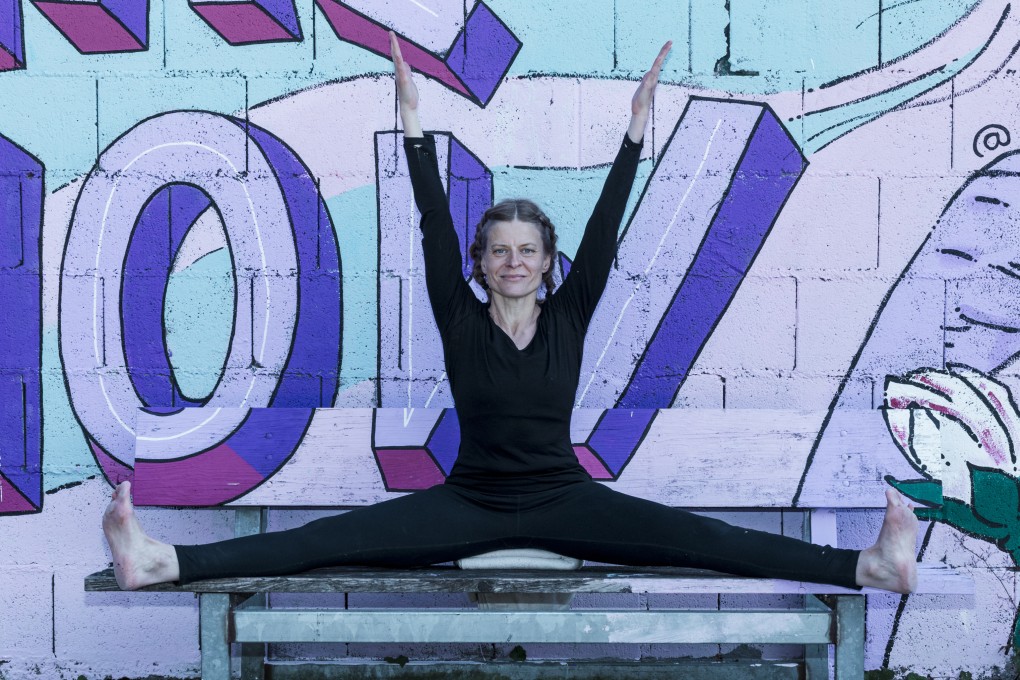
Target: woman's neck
[{"x": 514, "y": 314}]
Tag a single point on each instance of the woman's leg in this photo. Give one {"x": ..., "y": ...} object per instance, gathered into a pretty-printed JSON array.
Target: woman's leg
[
  {"x": 591, "y": 521},
  {"x": 435, "y": 525}
]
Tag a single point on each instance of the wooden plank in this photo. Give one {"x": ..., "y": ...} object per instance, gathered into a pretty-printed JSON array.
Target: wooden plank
[
  {"x": 933, "y": 578},
  {"x": 707, "y": 458},
  {"x": 585, "y": 626}
]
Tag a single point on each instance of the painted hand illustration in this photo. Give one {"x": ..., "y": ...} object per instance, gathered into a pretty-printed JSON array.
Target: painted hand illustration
[
  {"x": 949, "y": 423},
  {"x": 960, "y": 429}
]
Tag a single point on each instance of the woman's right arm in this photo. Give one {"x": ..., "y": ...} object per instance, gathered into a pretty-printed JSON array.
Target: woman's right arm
[
  {"x": 407, "y": 91},
  {"x": 444, "y": 275}
]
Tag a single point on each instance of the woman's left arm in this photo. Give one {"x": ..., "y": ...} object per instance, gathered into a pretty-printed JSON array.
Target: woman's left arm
[
  {"x": 641, "y": 102},
  {"x": 590, "y": 270}
]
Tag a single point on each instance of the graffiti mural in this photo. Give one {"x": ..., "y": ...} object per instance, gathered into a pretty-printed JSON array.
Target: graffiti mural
[
  {"x": 823, "y": 234},
  {"x": 284, "y": 347},
  {"x": 468, "y": 52}
]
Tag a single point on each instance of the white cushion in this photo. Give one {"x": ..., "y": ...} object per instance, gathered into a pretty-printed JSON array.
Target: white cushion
[{"x": 520, "y": 558}]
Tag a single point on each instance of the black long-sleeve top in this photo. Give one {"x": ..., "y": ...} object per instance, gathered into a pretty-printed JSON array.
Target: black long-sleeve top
[{"x": 514, "y": 405}]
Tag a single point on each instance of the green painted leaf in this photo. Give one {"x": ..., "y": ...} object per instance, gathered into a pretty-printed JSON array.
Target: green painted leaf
[
  {"x": 961, "y": 516},
  {"x": 925, "y": 491},
  {"x": 996, "y": 496}
]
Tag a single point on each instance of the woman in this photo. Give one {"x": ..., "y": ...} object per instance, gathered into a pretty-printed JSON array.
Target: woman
[{"x": 513, "y": 365}]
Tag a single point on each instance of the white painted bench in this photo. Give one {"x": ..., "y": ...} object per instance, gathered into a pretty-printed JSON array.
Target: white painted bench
[{"x": 237, "y": 610}]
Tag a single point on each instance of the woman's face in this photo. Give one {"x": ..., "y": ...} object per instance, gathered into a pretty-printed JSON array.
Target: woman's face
[{"x": 514, "y": 259}]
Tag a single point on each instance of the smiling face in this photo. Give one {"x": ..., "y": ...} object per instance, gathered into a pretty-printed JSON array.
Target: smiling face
[
  {"x": 975, "y": 251},
  {"x": 514, "y": 260}
]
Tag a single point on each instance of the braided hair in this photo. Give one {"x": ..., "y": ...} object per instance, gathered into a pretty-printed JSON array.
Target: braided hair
[{"x": 506, "y": 211}]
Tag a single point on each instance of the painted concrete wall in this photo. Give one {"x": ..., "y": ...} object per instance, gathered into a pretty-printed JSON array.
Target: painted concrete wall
[{"x": 202, "y": 206}]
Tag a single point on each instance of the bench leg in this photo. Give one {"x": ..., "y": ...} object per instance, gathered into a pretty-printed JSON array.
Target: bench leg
[
  {"x": 253, "y": 654},
  {"x": 816, "y": 657},
  {"x": 214, "y": 612},
  {"x": 849, "y": 637}
]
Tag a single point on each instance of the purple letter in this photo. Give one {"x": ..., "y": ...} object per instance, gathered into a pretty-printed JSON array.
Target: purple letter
[{"x": 21, "y": 200}]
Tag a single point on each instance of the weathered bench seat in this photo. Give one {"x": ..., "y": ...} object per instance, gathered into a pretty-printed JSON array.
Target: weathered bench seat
[{"x": 233, "y": 610}]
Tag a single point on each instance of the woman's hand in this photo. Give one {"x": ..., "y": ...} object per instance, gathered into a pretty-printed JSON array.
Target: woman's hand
[
  {"x": 641, "y": 103},
  {"x": 407, "y": 91}
]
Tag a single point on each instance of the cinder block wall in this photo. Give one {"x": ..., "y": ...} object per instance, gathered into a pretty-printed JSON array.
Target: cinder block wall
[{"x": 893, "y": 250}]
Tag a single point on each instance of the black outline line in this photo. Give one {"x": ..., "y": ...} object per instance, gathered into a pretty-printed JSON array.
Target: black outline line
[
  {"x": 987, "y": 324},
  {"x": 881, "y": 12},
  {"x": 400, "y": 324},
  {"x": 53, "y": 613},
  {"x": 992, "y": 200},
  {"x": 872, "y": 95},
  {"x": 904, "y": 599},
  {"x": 1004, "y": 270},
  {"x": 878, "y": 228},
  {"x": 986, "y": 171},
  {"x": 24, "y": 420},
  {"x": 919, "y": 48},
  {"x": 956, "y": 253},
  {"x": 378, "y": 265}
]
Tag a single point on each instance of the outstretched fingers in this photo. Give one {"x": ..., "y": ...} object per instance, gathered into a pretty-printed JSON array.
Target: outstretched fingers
[
  {"x": 642, "y": 100},
  {"x": 407, "y": 91},
  {"x": 660, "y": 59}
]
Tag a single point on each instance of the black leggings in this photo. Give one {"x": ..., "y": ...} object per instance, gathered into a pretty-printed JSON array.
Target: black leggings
[{"x": 585, "y": 520}]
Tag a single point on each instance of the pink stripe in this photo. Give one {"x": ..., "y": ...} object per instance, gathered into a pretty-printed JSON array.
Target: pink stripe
[
  {"x": 8, "y": 62},
  {"x": 209, "y": 478},
  {"x": 90, "y": 27},
  {"x": 115, "y": 471},
  {"x": 590, "y": 462},
  {"x": 408, "y": 469},
  {"x": 242, "y": 23},
  {"x": 353, "y": 27},
  {"x": 11, "y": 499}
]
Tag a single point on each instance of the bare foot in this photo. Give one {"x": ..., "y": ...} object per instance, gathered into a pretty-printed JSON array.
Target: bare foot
[
  {"x": 890, "y": 564},
  {"x": 138, "y": 560}
]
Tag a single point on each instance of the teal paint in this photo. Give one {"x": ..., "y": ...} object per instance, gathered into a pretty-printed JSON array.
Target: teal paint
[
  {"x": 787, "y": 38},
  {"x": 198, "y": 315},
  {"x": 355, "y": 219},
  {"x": 66, "y": 456},
  {"x": 907, "y": 24},
  {"x": 566, "y": 195},
  {"x": 35, "y": 106}
]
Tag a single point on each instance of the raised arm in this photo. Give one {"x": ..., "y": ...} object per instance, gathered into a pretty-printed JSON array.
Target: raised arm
[
  {"x": 641, "y": 102},
  {"x": 590, "y": 270},
  {"x": 407, "y": 91},
  {"x": 449, "y": 293}
]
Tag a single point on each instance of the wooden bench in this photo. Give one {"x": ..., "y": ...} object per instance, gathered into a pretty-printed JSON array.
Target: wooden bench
[{"x": 238, "y": 610}]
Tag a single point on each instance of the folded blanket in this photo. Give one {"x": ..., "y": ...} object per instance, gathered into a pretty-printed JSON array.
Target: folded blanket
[{"x": 520, "y": 558}]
